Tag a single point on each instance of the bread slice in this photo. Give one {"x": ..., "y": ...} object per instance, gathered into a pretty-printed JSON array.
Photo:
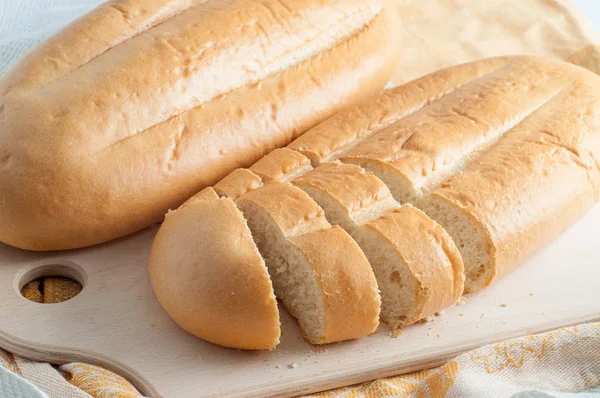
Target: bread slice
[
  {"x": 418, "y": 268},
  {"x": 221, "y": 295},
  {"x": 318, "y": 271}
]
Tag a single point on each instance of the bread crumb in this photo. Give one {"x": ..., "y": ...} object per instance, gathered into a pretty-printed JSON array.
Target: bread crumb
[
  {"x": 292, "y": 365},
  {"x": 462, "y": 314},
  {"x": 504, "y": 323},
  {"x": 396, "y": 333},
  {"x": 429, "y": 318},
  {"x": 428, "y": 333},
  {"x": 461, "y": 301},
  {"x": 531, "y": 294},
  {"x": 278, "y": 366},
  {"x": 440, "y": 313},
  {"x": 504, "y": 305},
  {"x": 482, "y": 315},
  {"x": 438, "y": 335}
]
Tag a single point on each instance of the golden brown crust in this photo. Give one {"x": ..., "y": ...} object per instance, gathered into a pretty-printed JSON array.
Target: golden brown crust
[
  {"x": 434, "y": 148},
  {"x": 536, "y": 177},
  {"x": 429, "y": 254},
  {"x": 350, "y": 294},
  {"x": 237, "y": 183},
  {"x": 112, "y": 23},
  {"x": 221, "y": 295},
  {"x": 346, "y": 129},
  {"x": 548, "y": 170},
  {"x": 95, "y": 150},
  {"x": 350, "y": 186},
  {"x": 348, "y": 288},
  {"x": 282, "y": 165},
  {"x": 294, "y": 212},
  {"x": 429, "y": 145}
]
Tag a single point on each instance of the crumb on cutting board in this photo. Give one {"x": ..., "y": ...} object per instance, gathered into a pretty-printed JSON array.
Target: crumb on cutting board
[
  {"x": 462, "y": 300},
  {"x": 427, "y": 319},
  {"x": 396, "y": 333}
]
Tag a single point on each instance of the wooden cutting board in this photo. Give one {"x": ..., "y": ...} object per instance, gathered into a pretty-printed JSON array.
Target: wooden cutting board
[{"x": 116, "y": 322}]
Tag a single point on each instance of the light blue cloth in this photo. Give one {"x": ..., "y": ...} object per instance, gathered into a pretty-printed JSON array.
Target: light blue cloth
[
  {"x": 14, "y": 386},
  {"x": 591, "y": 393},
  {"x": 23, "y": 23}
]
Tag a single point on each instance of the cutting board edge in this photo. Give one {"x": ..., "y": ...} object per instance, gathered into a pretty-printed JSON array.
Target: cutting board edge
[{"x": 360, "y": 374}]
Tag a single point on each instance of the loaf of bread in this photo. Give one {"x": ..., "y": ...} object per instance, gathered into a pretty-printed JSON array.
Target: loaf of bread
[
  {"x": 133, "y": 108},
  {"x": 445, "y": 184},
  {"x": 418, "y": 268}
]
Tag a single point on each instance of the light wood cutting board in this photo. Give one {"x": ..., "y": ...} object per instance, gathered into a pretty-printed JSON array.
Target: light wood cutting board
[{"x": 116, "y": 322}]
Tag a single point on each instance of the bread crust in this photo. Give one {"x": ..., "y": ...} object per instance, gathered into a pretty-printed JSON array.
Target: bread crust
[
  {"x": 100, "y": 140},
  {"x": 548, "y": 170},
  {"x": 429, "y": 254},
  {"x": 454, "y": 150},
  {"x": 349, "y": 289},
  {"x": 531, "y": 131},
  {"x": 345, "y": 280},
  {"x": 427, "y": 251},
  {"x": 346, "y": 129},
  {"x": 220, "y": 295}
]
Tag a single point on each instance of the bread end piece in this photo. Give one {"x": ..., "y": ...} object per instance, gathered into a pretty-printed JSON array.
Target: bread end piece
[
  {"x": 221, "y": 295},
  {"x": 418, "y": 267}
]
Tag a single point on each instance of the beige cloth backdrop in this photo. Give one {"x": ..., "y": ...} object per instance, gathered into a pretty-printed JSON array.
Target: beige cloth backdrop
[
  {"x": 437, "y": 33},
  {"x": 441, "y": 33}
]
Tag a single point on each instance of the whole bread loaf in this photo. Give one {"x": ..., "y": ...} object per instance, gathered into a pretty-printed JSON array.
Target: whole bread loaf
[
  {"x": 445, "y": 183},
  {"x": 136, "y": 106}
]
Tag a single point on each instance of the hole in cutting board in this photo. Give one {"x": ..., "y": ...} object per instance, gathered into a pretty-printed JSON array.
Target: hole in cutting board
[{"x": 51, "y": 283}]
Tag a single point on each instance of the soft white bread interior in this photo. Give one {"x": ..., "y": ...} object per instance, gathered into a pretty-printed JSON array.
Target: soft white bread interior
[
  {"x": 418, "y": 268},
  {"x": 128, "y": 112},
  {"x": 221, "y": 295},
  {"x": 318, "y": 271}
]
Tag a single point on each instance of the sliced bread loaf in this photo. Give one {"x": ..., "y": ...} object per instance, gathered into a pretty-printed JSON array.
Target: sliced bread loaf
[
  {"x": 318, "y": 271},
  {"x": 418, "y": 268}
]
